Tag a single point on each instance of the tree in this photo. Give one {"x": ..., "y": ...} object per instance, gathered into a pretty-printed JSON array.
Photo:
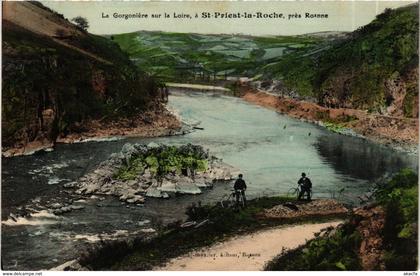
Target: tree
[{"x": 81, "y": 22}]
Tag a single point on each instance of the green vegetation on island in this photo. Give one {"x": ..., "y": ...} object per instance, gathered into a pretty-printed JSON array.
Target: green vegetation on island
[{"x": 163, "y": 160}]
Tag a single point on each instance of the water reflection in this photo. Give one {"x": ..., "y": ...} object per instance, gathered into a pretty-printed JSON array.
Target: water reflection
[{"x": 361, "y": 158}]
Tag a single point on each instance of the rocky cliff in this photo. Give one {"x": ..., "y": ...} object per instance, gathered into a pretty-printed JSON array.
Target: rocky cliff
[{"x": 57, "y": 77}]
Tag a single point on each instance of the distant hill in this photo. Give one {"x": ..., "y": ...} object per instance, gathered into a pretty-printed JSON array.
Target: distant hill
[
  {"x": 181, "y": 56},
  {"x": 56, "y": 75},
  {"x": 327, "y": 35},
  {"x": 374, "y": 68}
]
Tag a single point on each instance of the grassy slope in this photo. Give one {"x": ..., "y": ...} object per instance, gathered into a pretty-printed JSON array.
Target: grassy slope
[
  {"x": 40, "y": 74},
  {"x": 399, "y": 198}
]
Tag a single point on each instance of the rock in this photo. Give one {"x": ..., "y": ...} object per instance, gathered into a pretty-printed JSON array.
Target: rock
[
  {"x": 134, "y": 184},
  {"x": 127, "y": 193},
  {"x": 168, "y": 186},
  {"x": 153, "y": 191},
  {"x": 144, "y": 186},
  {"x": 128, "y": 150},
  {"x": 67, "y": 209},
  {"x": 101, "y": 172},
  {"x": 88, "y": 189},
  {"x": 143, "y": 222},
  {"x": 76, "y": 207},
  {"x": 222, "y": 171},
  {"x": 187, "y": 188},
  {"x": 147, "y": 174},
  {"x": 117, "y": 157},
  {"x": 148, "y": 230},
  {"x": 152, "y": 145},
  {"x": 70, "y": 185},
  {"x": 136, "y": 199},
  {"x": 201, "y": 183},
  {"x": 140, "y": 148},
  {"x": 56, "y": 205}
]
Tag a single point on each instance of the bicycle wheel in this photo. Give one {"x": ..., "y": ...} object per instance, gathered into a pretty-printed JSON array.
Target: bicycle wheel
[
  {"x": 224, "y": 202},
  {"x": 232, "y": 200},
  {"x": 227, "y": 201},
  {"x": 293, "y": 192},
  {"x": 241, "y": 201}
]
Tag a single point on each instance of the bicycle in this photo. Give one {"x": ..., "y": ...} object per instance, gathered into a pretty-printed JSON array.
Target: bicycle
[
  {"x": 294, "y": 192},
  {"x": 229, "y": 200}
]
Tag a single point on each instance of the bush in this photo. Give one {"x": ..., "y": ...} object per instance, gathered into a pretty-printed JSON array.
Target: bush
[
  {"x": 164, "y": 160},
  {"x": 400, "y": 199},
  {"x": 336, "y": 252}
]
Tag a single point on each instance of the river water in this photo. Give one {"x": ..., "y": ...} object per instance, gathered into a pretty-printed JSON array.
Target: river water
[{"x": 270, "y": 149}]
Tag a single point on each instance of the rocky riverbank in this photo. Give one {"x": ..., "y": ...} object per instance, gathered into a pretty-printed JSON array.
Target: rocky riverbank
[
  {"x": 397, "y": 132},
  {"x": 153, "y": 123}
]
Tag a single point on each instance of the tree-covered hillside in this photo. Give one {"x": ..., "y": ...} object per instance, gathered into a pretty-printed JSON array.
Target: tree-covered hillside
[
  {"x": 376, "y": 68},
  {"x": 52, "y": 84}
]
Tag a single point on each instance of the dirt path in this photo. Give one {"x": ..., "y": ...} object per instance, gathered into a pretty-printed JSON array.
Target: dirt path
[{"x": 249, "y": 252}]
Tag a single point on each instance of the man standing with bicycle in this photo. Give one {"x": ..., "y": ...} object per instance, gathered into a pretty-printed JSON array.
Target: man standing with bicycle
[
  {"x": 240, "y": 188},
  {"x": 305, "y": 186}
]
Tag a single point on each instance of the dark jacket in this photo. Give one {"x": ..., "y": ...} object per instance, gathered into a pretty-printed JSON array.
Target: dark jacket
[
  {"x": 305, "y": 182},
  {"x": 239, "y": 184}
]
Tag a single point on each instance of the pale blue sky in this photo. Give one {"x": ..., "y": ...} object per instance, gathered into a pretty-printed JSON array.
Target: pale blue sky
[{"x": 342, "y": 15}]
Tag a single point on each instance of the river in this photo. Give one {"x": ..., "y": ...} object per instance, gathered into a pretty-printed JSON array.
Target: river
[{"x": 270, "y": 149}]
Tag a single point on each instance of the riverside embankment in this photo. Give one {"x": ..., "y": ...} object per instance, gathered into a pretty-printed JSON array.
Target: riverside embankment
[{"x": 397, "y": 132}]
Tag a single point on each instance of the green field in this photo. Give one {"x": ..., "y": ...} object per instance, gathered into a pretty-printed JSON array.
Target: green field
[{"x": 181, "y": 56}]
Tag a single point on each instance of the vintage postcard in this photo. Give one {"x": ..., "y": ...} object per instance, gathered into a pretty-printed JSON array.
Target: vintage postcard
[{"x": 209, "y": 136}]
